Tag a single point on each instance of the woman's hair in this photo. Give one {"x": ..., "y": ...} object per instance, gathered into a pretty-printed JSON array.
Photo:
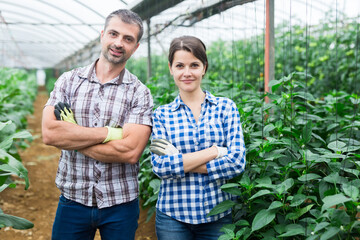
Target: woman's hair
[
  {"x": 189, "y": 44},
  {"x": 129, "y": 17}
]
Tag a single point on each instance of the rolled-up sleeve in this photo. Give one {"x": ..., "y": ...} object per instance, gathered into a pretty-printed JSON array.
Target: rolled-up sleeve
[
  {"x": 234, "y": 162},
  {"x": 167, "y": 166}
]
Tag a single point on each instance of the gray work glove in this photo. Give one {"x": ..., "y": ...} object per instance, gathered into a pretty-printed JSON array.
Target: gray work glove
[{"x": 163, "y": 147}]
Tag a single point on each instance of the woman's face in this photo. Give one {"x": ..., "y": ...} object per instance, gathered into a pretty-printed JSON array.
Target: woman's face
[{"x": 187, "y": 71}]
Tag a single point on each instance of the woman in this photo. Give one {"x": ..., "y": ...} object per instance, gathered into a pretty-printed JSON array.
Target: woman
[{"x": 197, "y": 145}]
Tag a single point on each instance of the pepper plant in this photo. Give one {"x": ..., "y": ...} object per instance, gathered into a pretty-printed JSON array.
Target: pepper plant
[{"x": 303, "y": 165}]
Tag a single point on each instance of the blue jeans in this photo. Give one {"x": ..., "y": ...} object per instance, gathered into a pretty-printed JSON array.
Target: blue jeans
[
  {"x": 76, "y": 221},
  {"x": 168, "y": 228}
]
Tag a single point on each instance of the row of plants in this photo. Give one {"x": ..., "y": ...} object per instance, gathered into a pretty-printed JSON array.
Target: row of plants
[
  {"x": 303, "y": 165},
  {"x": 18, "y": 90},
  {"x": 303, "y": 159},
  {"x": 303, "y": 162}
]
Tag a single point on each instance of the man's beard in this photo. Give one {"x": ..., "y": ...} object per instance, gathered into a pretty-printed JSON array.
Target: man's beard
[{"x": 113, "y": 59}]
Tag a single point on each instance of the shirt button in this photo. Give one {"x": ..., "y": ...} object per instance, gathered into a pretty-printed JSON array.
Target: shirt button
[{"x": 206, "y": 203}]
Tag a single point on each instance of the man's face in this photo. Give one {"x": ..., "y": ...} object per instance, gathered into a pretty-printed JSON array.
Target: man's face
[{"x": 119, "y": 41}]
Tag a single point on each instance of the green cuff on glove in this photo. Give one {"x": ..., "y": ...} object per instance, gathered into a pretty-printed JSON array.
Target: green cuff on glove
[{"x": 113, "y": 134}]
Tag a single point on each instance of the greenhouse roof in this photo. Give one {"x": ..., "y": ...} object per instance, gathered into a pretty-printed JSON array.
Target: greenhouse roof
[{"x": 41, "y": 33}]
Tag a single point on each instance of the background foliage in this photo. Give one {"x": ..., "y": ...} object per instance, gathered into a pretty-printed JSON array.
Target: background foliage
[
  {"x": 303, "y": 159},
  {"x": 18, "y": 90},
  {"x": 302, "y": 174}
]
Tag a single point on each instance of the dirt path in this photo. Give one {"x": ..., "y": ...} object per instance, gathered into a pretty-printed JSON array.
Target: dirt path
[{"x": 38, "y": 204}]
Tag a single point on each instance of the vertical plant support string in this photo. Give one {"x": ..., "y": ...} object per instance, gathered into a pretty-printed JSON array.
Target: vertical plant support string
[{"x": 307, "y": 37}]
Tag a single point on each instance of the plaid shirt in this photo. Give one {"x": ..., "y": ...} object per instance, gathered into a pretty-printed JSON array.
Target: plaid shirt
[
  {"x": 189, "y": 197},
  {"x": 122, "y": 100}
]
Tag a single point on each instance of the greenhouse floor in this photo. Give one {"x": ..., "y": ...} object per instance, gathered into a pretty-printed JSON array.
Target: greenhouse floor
[{"x": 38, "y": 203}]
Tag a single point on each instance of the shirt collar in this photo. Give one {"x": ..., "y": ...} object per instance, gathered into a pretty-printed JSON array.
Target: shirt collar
[
  {"x": 208, "y": 98},
  {"x": 88, "y": 72}
]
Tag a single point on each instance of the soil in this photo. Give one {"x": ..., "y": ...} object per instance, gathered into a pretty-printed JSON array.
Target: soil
[{"x": 38, "y": 204}]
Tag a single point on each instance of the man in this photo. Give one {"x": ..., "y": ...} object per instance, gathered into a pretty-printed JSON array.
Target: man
[{"x": 102, "y": 137}]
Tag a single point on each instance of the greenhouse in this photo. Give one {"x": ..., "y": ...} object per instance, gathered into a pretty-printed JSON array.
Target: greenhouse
[{"x": 86, "y": 121}]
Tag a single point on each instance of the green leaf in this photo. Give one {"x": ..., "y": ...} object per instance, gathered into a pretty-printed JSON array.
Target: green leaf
[
  {"x": 245, "y": 180},
  {"x": 14, "y": 222},
  {"x": 298, "y": 200},
  {"x": 12, "y": 165},
  {"x": 321, "y": 226},
  {"x": 260, "y": 193},
  {"x": 305, "y": 95},
  {"x": 268, "y": 128},
  {"x": 351, "y": 191},
  {"x": 7, "y": 142},
  {"x": 293, "y": 230},
  {"x": 228, "y": 229},
  {"x": 334, "y": 155},
  {"x": 334, "y": 200},
  {"x": 242, "y": 222},
  {"x": 221, "y": 207},
  {"x": 275, "y": 205},
  {"x": 155, "y": 185},
  {"x": 332, "y": 231},
  {"x": 309, "y": 177},
  {"x": 307, "y": 132},
  {"x": 298, "y": 213},
  {"x": 337, "y": 146},
  {"x": 262, "y": 218},
  {"x": 284, "y": 186},
  {"x": 4, "y": 124},
  {"x": 264, "y": 182},
  {"x": 229, "y": 185},
  {"x": 4, "y": 186}
]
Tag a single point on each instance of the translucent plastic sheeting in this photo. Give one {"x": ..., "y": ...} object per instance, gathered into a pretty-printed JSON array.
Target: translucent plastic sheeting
[{"x": 40, "y": 33}]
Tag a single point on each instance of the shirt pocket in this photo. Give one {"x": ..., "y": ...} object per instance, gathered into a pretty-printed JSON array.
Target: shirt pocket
[
  {"x": 116, "y": 112},
  {"x": 215, "y": 132}
]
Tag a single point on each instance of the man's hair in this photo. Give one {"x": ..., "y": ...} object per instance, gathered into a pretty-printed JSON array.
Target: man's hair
[{"x": 129, "y": 17}]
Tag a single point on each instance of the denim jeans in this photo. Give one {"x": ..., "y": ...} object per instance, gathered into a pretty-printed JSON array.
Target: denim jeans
[
  {"x": 76, "y": 221},
  {"x": 168, "y": 228}
]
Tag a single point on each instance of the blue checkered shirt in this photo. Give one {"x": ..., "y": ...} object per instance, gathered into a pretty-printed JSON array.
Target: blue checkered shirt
[{"x": 189, "y": 197}]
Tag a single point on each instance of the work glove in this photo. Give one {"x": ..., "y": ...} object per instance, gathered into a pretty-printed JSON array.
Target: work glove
[
  {"x": 113, "y": 134},
  {"x": 162, "y": 147},
  {"x": 63, "y": 112},
  {"x": 222, "y": 151}
]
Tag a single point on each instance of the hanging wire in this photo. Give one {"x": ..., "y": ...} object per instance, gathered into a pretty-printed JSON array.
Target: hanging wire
[
  {"x": 336, "y": 67},
  {"x": 261, "y": 86},
  {"x": 234, "y": 59},
  {"x": 307, "y": 32},
  {"x": 357, "y": 94},
  {"x": 290, "y": 67},
  {"x": 245, "y": 43}
]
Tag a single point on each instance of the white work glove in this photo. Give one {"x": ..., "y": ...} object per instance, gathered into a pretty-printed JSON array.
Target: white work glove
[
  {"x": 162, "y": 147},
  {"x": 113, "y": 134},
  {"x": 222, "y": 151}
]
